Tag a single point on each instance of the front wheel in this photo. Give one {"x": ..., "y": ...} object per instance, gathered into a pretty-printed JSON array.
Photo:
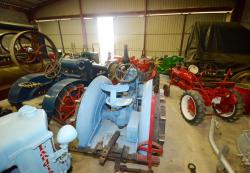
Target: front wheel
[
  {"x": 192, "y": 107},
  {"x": 229, "y": 112}
]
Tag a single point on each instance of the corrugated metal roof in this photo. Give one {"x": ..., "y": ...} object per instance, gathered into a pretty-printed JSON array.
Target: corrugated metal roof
[{"x": 23, "y": 3}]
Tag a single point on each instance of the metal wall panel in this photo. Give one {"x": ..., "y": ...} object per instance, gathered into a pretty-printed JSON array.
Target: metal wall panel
[
  {"x": 173, "y": 4},
  {"x": 130, "y": 31},
  {"x": 13, "y": 16},
  {"x": 104, "y": 6},
  {"x": 163, "y": 32},
  {"x": 71, "y": 7},
  {"x": 49, "y": 28},
  {"x": 164, "y": 24},
  {"x": 52, "y": 31},
  {"x": 62, "y": 7},
  {"x": 164, "y": 35},
  {"x": 92, "y": 34},
  {"x": 71, "y": 33}
]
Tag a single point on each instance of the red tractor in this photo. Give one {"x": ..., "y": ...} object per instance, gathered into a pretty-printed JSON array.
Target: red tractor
[
  {"x": 146, "y": 68},
  {"x": 199, "y": 95}
]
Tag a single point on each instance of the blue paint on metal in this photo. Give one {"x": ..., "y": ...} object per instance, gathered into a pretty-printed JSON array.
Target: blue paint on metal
[
  {"x": 145, "y": 111},
  {"x": 50, "y": 98},
  {"x": 80, "y": 68},
  {"x": 133, "y": 127},
  {"x": 19, "y": 94},
  {"x": 25, "y": 140},
  {"x": 90, "y": 110},
  {"x": 97, "y": 120},
  {"x": 113, "y": 101}
]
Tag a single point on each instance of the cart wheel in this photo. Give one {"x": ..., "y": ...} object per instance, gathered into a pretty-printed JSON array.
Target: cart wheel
[
  {"x": 67, "y": 103},
  {"x": 192, "y": 107},
  {"x": 232, "y": 112}
]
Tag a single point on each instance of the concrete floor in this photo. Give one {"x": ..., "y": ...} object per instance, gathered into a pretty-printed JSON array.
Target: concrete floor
[{"x": 184, "y": 143}]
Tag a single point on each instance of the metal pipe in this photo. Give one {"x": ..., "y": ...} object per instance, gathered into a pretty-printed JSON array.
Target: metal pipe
[
  {"x": 141, "y": 13},
  {"x": 145, "y": 28},
  {"x": 60, "y": 33},
  {"x": 220, "y": 156},
  {"x": 183, "y": 33}
]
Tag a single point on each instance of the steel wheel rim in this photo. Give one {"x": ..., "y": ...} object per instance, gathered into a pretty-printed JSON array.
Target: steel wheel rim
[
  {"x": 188, "y": 112},
  {"x": 68, "y": 104},
  {"x": 40, "y": 61}
]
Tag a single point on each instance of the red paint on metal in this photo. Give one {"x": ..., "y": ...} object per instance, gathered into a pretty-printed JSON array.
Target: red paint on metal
[
  {"x": 68, "y": 103},
  {"x": 244, "y": 90},
  {"x": 150, "y": 146},
  {"x": 186, "y": 80},
  {"x": 191, "y": 107},
  {"x": 45, "y": 158}
]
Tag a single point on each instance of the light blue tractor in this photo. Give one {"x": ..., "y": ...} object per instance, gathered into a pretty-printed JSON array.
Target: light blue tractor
[
  {"x": 26, "y": 145},
  {"x": 122, "y": 122}
]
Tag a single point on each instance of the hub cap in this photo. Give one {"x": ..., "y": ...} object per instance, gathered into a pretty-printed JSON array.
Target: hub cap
[{"x": 188, "y": 107}]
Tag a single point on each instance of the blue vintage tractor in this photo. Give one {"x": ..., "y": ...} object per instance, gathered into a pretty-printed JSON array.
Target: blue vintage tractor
[
  {"x": 122, "y": 122},
  {"x": 63, "y": 83},
  {"x": 27, "y": 145}
]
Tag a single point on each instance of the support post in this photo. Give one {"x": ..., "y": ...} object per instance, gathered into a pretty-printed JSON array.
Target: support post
[
  {"x": 238, "y": 10},
  {"x": 83, "y": 28},
  {"x": 61, "y": 38},
  {"x": 183, "y": 33},
  {"x": 145, "y": 29}
]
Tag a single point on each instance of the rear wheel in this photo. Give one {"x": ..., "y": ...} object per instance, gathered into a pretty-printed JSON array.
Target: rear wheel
[
  {"x": 192, "y": 107},
  {"x": 229, "y": 112},
  {"x": 67, "y": 103}
]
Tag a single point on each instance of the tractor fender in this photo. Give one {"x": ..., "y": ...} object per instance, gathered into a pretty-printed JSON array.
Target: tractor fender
[
  {"x": 50, "y": 98},
  {"x": 88, "y": 115},
  {"x": 18, "y": 94}
]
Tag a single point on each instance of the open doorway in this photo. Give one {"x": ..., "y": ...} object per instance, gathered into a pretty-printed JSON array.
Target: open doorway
[{"x": 106, "y": 37}]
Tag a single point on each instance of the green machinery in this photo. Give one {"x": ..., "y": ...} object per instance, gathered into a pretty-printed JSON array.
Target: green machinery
[{"x": 167, "y": 62}]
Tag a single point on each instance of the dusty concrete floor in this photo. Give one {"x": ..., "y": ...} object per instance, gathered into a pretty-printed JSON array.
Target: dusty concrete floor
[{"x": 184, "y": 143}]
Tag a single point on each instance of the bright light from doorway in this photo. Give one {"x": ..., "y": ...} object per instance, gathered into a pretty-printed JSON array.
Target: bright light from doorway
[{"x": 105, "y": 37}]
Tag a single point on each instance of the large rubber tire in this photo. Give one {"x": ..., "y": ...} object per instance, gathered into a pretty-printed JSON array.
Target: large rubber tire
[
  {"x": 196, "y": 100},
  {"x": 241, "y": 77},
  {"x": 237, "y": 111}
]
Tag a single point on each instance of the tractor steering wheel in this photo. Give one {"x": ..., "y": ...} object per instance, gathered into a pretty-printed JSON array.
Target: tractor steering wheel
[
  {"x": 126, "y": 73},
  {"x": 52, "y": 69}
]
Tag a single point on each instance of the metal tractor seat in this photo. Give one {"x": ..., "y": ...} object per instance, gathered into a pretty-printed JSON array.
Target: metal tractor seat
[{"x": 113, "y": 100}]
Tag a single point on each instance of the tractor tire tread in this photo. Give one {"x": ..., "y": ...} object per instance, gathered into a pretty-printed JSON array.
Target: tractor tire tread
[
  {"x": 238, "y": 110},
  {"x": 199, "y": 105}
]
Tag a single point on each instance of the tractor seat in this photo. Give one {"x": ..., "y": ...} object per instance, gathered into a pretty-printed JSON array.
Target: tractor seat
[{"x": 113, "y": 100}]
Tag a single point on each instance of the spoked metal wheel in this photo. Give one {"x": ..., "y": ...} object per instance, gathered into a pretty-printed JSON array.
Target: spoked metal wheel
[
  {"x": 192, "y": 107},
  {"x": 30, "y": 50},
  {"x": 229, "y": 110},
  {"x": 126, "y": 73},
  {"x": 52, "y": 69},
  {"x": 67, "y": 103},
  {"x": 5, "y": 39}
]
